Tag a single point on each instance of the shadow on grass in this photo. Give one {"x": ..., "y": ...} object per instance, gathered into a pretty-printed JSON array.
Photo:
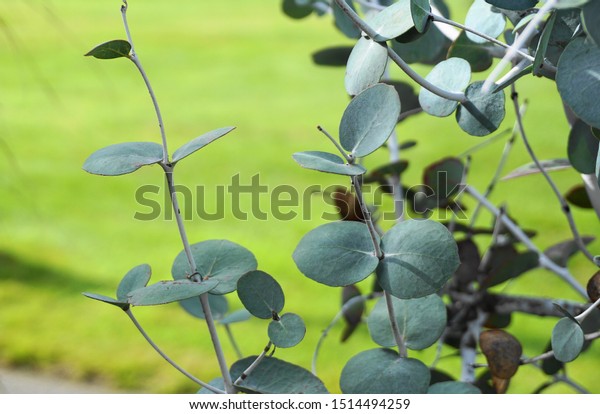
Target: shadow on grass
[{"x": 15, "y": 269}]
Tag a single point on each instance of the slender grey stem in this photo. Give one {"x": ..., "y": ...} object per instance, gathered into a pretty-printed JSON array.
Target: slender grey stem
[
  {"x": 571, "y": 383},
  {"x": 367, "y": 215},
  {"x": 394, "y": 325},
  {"x": 253, "y": 365},
  {"x": 443, "y": 20},
  {"x": 519, "y": 42},
  {"x": 362, "y": 25},
  {"x": 563, "y": 203},
  {"x": 234, "y": 344},
  {"x": 134, "y": 58},
  {"x": 353, "y": 301},
  {"x": 588, "y": 337},
  {"x": 348, "y": 158},
  {"x": 544, "y": 261},
  {"x": 581, "y": 317},
  {"x": 169, "y": 360},
  {"x": 173, "y": 196}
]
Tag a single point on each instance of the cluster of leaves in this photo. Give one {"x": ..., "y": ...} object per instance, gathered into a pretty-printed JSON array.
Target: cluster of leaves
[{"x": 415, "y": 262}]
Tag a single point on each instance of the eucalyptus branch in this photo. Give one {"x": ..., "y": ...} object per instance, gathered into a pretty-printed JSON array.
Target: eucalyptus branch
[
  {"x": 468, "y": 351},
  {"x": 563, "y": 203},
  {"x": 550, "y": 354},
  {"x": 194, "y": 275},
  {"x": 519, "y": 42},
  {"x": 544, "y": 261},
  {"x": 367, "y": 215},
  {"x": 442, "y": 19},
  {"x": 134, "y": 58},
  {"x": 363, "y": 26},
  {"x": 253, "y": 365},
  {"x": 394, "y": 325},
  {"x": 169, "y": 360},
  {"x": 394, "y": 180},
  {"x": 173, "y": 196}
]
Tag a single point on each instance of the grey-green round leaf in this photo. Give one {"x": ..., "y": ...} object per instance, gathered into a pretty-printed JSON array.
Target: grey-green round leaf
[
  {"x": 582, "y": 148},
  {"x": 125, "y": 158},
  {"x": 453, "y": 387},
  {"x": 288, "y": 331},
  {"x": 369, "y": 119},
  {"x": 327, "y": 162},
  {"x": 419, "y": 258},
  {"x": 366, "y": 65},
  {"x": 381, "y": 371},
  {"x": 483, "y": 113},
  {"x": 337, "y": 254},
  {"x": 200, "y": 142},
  {"x": 274, "y": 376},
  {"x": 111, "y": 50},
  {"x": 577, "y": 79},
  {"x": 343, "y": 22},
  {"x": 218, "y": 306},
  {"x": 567, "y": 340},
  {"x": 136, "y": 278},
  {"x": 421, "y": 321},
  {"x": 482, "y": 17},
  {"x": 220, "y": 260},
  {"x": 420, "y": 10},
  {"x": 392, "y": 21},
  {"x": 169, "y": 291},
  {"x": 260, "y": 294},
  {"x": 124, "y": 305},
  {"x": 452, "y": 75}
]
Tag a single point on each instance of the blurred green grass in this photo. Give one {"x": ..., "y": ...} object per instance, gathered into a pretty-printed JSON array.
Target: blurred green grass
[{"x": 239, "y": 63}]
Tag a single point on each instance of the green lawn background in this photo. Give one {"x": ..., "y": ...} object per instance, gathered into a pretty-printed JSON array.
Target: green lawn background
[{"x": 212, "y": 64}]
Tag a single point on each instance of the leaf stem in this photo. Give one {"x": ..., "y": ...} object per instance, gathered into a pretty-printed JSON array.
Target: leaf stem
[
  {"x": 362, "y": 25},
  {"x": 519, "y": 42},
  {"x": 367, "y": 215},
  {"x": 491, "y": 39},
  {"x": 134, "y": 58},
  {"x": 563, "y": 203},
  {"x": 347, "y": 157},
  {"x": 581, "y": 317},
  {"x": 394, "y": 325},
  {"x": 253, "y": 365},
  {"x": 169, "y": 360},
  {"x": 544, "y": 261}
]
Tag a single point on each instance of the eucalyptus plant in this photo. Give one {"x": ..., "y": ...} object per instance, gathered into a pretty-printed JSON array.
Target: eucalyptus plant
[
  {"x": 418, "y": 263},
  {"x": 431, "y": 286}
]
